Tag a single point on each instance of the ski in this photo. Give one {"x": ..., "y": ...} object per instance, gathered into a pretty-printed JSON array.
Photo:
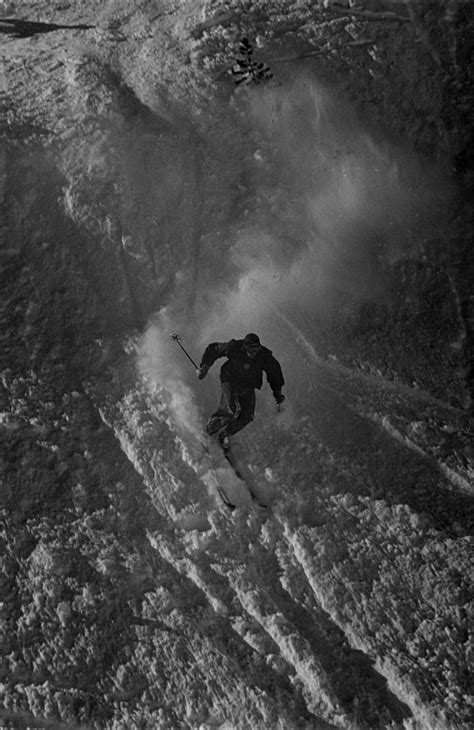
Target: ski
[
  {"x": 228, "y": 456},
  {"x": 225, "y": 498}
]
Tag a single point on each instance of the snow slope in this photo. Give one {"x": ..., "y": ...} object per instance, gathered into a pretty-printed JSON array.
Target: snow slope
[
  {"x": 142, "y": 193},
  {"x": 354, "y": 583}
]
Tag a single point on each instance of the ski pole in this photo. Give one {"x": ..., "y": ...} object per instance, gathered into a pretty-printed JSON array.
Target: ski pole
[{"x": 177, "y": 339}]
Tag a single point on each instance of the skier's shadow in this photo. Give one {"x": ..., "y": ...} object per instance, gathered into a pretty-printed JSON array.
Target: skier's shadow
[
  {"x": 18, "y": 28},
  {"x": 399, "y": 475},
  {"x": 383, "y": 468}
]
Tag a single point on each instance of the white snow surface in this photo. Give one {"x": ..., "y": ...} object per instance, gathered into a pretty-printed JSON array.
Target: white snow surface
[
  {"x": 345, "y": 577},
  {"x": 347, "y": 601}
]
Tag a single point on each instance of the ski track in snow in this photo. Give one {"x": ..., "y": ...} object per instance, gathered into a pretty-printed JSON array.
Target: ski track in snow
[{"x": 326, "y": 583}]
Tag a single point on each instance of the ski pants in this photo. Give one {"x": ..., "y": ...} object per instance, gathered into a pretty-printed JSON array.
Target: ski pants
[{"x": 236, "y": 410}]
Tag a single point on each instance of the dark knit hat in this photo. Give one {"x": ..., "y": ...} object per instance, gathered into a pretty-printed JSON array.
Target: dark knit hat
[{"x": 251, "y": 339}]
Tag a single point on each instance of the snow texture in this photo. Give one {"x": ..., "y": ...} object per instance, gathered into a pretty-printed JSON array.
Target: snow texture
[{"x": 327, "y": 209}]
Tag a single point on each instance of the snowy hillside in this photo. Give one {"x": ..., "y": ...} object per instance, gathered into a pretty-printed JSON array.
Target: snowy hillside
[
  {"x": 328, "y": 208},
  {"x": 354, "y": 583}
]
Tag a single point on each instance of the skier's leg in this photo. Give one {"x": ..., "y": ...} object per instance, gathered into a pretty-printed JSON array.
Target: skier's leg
[
  {"x": 247, "y": 402},
  {"x": 225, "y": 413}
]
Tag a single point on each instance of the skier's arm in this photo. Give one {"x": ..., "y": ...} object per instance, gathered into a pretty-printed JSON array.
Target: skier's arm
[
  {"x": 212, "y": 353},
  {"x": 275, "y": 378}
]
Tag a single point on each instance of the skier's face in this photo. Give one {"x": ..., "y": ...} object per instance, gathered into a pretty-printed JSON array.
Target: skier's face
[{"x": 251, "y": 350}]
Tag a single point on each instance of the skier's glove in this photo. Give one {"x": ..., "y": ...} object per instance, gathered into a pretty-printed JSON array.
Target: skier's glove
[
  {"x": 279, "y": 397},
  {"x": 202, "y": 371}
]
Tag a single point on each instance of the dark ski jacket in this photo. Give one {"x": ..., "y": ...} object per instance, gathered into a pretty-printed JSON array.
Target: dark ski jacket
[{"x": 241, "y": 371}]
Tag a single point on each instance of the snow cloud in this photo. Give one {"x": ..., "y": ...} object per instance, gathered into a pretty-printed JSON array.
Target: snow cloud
[{"x": 331, "y": 208}]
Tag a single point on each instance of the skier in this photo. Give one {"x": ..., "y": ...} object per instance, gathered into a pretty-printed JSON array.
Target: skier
[{"x": 240, "y": 375}]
